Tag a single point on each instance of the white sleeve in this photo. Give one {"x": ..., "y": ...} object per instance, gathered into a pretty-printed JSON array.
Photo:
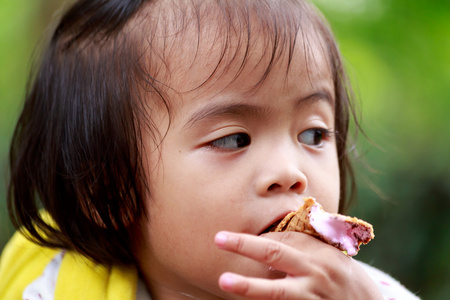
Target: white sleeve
[
  {"x": 390, "y": 288},
  {"x": 43, "y": 288}
]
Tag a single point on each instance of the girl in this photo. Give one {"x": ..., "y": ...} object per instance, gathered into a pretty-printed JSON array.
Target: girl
[{"x": 158, "y": 142}]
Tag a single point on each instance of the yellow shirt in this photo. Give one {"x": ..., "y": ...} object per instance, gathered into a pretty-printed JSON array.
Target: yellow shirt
[{"x": 22, "y": 262}]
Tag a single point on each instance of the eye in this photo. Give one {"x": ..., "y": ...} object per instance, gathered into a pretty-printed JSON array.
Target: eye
[
  {"x": 232, "y": 142},
  {"x": 314, "y": 136}
]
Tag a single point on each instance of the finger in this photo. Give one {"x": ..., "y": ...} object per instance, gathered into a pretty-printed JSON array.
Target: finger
[
  {"x": 269, "y": 252},
  {"x": 257, "y": 288}
]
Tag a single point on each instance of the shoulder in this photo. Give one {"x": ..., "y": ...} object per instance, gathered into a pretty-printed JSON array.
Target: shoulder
[
  {"x": 388, "y": 286},
  {"x": 35, "y": 270},
  {"x": 20, "y": 264},
  {"x": 81, "y": 278}
]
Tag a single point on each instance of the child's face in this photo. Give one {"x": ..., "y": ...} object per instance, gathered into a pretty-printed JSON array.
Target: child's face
[{"x": 234, "y": 160}]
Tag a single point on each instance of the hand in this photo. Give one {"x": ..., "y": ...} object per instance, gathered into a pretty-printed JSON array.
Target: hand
[{"x": 314, "y": 270}]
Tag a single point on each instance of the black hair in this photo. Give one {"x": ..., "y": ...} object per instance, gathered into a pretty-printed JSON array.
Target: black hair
[{"x": 77, "y": 149}]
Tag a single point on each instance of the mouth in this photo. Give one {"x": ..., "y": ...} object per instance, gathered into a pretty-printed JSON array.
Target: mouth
[{"x": 272, "y": 226}]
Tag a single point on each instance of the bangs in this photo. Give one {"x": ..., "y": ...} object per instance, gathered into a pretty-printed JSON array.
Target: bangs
[{"x": 228, "y": 34}]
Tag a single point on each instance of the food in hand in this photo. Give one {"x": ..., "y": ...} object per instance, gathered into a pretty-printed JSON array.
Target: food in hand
[{"x": 343, "y": 232}]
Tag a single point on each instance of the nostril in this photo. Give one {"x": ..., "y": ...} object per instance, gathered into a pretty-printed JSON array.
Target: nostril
[
  {"x": 296, "y": 186},
  {"x": 273, "y": 186}
]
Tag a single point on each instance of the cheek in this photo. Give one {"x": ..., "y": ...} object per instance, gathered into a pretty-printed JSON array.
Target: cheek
[
  {"x": 332, "y": 203},
  {"x": 334, "y": 187},
  {"x": 324, "y": 182},
  {"x": 186, "y": 209}
]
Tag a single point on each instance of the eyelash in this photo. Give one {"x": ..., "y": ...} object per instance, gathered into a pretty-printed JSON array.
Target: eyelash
[
  {"x": 242, "y": 140},
  {"x": 325, "y": 134}
]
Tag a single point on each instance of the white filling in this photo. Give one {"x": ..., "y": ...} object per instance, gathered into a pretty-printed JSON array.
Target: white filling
[{"x": 332, "y": 229}]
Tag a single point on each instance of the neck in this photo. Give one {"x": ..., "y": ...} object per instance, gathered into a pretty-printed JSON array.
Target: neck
[{"x": 163, "y": 292}]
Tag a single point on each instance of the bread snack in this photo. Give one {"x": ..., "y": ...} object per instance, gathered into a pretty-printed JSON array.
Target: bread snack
[{"x": 342, "y": 232}]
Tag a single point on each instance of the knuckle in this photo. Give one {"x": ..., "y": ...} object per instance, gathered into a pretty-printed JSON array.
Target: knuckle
[
  {"x": 294, "y": 239},
  {"x": 239, "y": 245},
  {"x": 278, "y": 293},
  {"x": 323, "y": 275},
  {"x": 320, "y": 273},
  {"x": 273, "y": 253},
  {"x": 243, "y": 288},
  {"x": 329, "y": 282},
  {"x": 288, "y": 236}
]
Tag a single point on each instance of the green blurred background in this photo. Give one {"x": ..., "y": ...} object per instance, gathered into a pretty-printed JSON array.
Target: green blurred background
[{"x": 398, "y": 56}]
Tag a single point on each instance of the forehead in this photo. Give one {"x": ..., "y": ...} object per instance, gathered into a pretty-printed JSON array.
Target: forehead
[{"x": 199, "y": 44}]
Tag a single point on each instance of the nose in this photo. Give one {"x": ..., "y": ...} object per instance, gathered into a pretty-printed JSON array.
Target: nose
[{"x": 281, "y": 175}]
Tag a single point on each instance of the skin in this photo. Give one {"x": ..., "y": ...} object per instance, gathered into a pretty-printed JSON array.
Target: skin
[{"x": 231, "y": 163}]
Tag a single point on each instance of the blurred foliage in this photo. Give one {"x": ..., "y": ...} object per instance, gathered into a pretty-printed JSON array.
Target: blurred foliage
[
  {"x": 398, "y": 56},
  {"x": 17, "y": 40}
]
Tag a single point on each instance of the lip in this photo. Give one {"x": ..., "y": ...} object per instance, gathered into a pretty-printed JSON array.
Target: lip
[{"x": 276, "y": 220}]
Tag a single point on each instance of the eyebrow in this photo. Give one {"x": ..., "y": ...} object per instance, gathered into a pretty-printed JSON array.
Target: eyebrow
[
  {"x": 214, "y": 110},
  {"x": 223, "y": 109}
]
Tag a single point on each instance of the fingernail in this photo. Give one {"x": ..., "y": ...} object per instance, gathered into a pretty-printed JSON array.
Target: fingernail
[
  {"x": 226, "y": 281},
  {"x": 221, "y": 239}
]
